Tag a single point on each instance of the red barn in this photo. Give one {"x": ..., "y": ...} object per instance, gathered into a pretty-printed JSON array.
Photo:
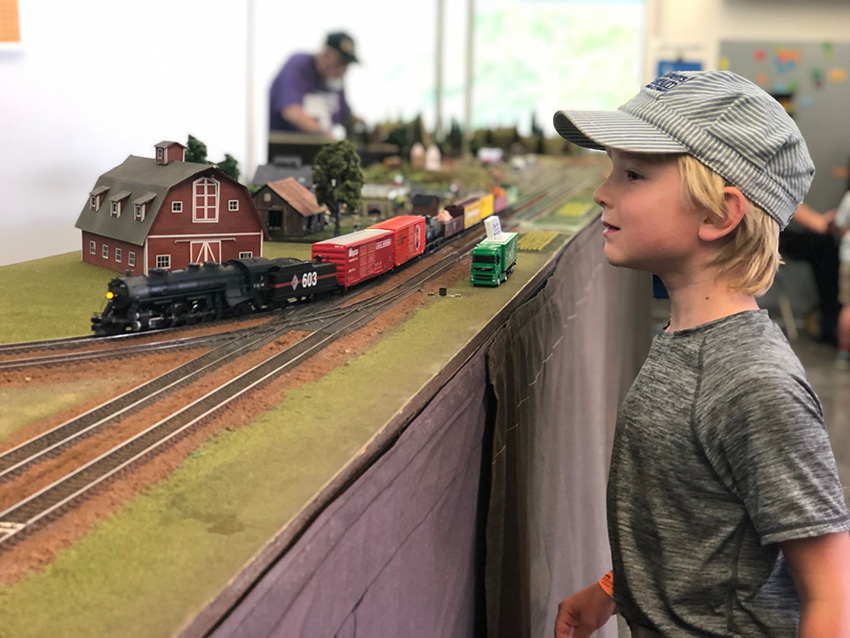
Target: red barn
[{"x": 167, "y": 213}]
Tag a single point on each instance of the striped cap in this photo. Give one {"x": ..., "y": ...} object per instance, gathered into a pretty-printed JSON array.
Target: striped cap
[{"x": 723, "y": 120}]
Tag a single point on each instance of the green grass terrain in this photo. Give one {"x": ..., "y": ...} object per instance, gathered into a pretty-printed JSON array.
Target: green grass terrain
[
  {"x": 50, "y": 298},
  {"x": 22, "y": 406},
  {"x": 152, "y": 566}
]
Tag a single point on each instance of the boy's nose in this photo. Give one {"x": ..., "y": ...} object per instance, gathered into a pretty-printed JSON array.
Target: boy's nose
[{"x": 599, "y": 196}]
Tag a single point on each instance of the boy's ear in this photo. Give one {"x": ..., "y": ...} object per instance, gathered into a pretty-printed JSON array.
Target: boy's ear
[{"x": 736, "y": 208}]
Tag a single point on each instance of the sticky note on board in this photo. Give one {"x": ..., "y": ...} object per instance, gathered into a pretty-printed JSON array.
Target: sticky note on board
[{"x": 837, "y": 74}]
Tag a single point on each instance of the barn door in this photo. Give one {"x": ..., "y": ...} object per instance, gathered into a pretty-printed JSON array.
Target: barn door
[{"x": 202, "y": 251}]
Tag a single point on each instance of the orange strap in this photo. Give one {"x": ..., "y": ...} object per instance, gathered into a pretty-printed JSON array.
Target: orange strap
[{"x": 607, "y": 583}]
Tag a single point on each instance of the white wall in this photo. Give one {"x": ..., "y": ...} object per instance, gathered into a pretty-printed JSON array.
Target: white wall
[{"x": 91, "y": 84}]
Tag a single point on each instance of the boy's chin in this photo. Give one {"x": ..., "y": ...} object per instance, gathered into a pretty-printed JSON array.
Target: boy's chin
[{"x": 621, "y": 261}]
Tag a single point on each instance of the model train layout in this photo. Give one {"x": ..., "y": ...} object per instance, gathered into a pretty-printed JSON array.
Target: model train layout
[{"x": 211, "y": 291}]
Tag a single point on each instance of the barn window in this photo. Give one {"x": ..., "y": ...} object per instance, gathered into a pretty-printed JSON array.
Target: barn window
[
  {"x": 92, "y": 247},
  {"x": 104, "y": 252},
  {"x": 233, "y": 205},
  {"x": 246, "y": 254},
  {"x": 140, "y": 206},
  {"x": 267, "y": 197},
  {"x": 131, "y": 259},
  {"x": 97, "y": 197},
  {"x": 119, "y": 255},
  {"x": 163, "y": 261},
  {"x": 117, "y": 203},
  {"x": 205, "y": 200},
  {"x": 176, "y": 207}
]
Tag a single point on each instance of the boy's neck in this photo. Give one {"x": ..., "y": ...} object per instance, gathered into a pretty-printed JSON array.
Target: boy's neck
[{"x": 706, "y": 299}]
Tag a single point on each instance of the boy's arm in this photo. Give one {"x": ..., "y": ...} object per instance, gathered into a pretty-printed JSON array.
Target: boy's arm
[
  {"x": 821, "y": 569},
  {"x": 586, "y": 611}
]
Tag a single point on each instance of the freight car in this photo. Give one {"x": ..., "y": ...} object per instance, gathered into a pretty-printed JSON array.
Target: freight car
[
  {"x": 358, "y": 256},
  {"x": 474, "y": 210},
  {"x": 408, "y": 236},
  {"x": 210, "y": 291}
]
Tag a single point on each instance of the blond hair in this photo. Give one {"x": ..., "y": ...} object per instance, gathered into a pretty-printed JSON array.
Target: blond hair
[{"x": 750, "y": 257}]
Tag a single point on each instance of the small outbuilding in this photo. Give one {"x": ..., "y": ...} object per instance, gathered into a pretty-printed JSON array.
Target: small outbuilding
[
  {"x": 167, "y": 213},
  {"x": 289, "y": 209}
]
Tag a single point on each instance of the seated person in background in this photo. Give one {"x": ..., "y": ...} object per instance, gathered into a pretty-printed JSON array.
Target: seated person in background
[
  {"x": 308, "y": 94},
  {"x": 819, "y": 248},
  {"x": 842, "y": 222}
]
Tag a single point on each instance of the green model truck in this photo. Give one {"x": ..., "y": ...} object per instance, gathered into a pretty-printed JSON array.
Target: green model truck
[{"x": 493, "y": 260}]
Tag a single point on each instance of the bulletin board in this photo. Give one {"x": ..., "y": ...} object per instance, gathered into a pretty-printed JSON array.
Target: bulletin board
[{"x": 811, "y": 79}]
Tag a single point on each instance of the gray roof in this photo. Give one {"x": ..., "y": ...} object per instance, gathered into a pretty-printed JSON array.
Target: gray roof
[
  {"x": 139, "y": 178},
  {"x": 268, "y": 173}
]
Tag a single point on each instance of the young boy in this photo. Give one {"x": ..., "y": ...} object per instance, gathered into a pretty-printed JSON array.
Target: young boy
[{"x": 725, "y": 513}]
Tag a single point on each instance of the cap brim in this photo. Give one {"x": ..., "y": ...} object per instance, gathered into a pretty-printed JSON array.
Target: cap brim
[{"x": 614, "y": 129}]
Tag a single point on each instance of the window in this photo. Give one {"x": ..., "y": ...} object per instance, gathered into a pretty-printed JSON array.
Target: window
[
  {"x": 163, "y": 261},
  {"x": 176, "y": 207},
  {"x": 267, "y": 197},
  {"x": 119, "y": 255},
  {"x": 139, "y": 213},
  {"x": 246, "y": 254},
  {"x": 131, "y": 259},
  {"x": 97, "y": 196},
  {"x": 92, "y": 247},
  {"x": 104, "y": 252},
  {"x": 116, "y": 209},
  {"x": 205, "y": 200},
  {"x": 233, "y": 205},
  {"x": 160, "y": 153}
]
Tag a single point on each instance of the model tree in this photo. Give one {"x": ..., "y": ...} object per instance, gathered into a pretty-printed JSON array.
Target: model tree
[
  {"x": 196, "y": 151},
  {"x": 229, "y": 166},
  {"x": 338, "y": 178}
]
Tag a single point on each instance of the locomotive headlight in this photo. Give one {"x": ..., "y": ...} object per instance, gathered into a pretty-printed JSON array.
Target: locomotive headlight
[{"x": 110, "y": 295}]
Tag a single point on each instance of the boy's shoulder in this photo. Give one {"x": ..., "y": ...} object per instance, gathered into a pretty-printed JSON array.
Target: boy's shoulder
[{"x": 749, "y": 346}]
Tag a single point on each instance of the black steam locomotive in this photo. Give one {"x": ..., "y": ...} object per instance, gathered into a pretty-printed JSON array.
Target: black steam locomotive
[{"x": 209, "y": 291}]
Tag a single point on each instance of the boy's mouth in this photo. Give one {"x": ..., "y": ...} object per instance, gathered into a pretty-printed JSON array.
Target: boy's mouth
[{"x": 610, "y": 226}]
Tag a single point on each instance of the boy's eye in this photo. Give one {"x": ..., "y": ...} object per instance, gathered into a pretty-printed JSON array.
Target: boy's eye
[{"x": 632, "y": 175}]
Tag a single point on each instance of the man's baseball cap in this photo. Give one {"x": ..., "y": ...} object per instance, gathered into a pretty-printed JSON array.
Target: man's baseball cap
[
  {"x": 343, "y": 44},
  {"x": 723, "y": 120}
]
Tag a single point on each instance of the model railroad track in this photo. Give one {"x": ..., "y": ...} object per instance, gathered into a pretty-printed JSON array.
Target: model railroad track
[
  {"x": 111, "y": 353},
  {"x": 50, "y": 444},
  {"x": 54, "y": 499},
  {"x": 163, "y": 340}
]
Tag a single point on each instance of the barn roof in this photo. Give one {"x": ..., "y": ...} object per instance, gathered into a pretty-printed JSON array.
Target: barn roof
[
  {"x": 302, "y": 199},
  {"x": 141, "y": 180}
]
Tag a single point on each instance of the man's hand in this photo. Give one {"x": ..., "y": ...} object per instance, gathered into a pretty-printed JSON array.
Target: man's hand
[{"x": 584, "y": 612}]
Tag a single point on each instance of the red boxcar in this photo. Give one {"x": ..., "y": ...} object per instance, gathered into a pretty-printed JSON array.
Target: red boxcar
[
  {"x": 500, "y": 199},
  {"x": 358, "y": 256},
  {"x": 409, "y": 232}
]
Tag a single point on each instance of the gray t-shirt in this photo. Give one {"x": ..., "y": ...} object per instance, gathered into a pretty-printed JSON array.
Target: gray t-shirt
[{"x": 720, "y": 453}]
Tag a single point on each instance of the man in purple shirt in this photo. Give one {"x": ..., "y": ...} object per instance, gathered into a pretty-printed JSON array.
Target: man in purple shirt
[{"x": 308, "y": 93}]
